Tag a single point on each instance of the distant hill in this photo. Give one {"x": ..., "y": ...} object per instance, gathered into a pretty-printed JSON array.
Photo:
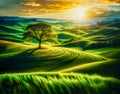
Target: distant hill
[
  {"x": 98, "y": 36},
  {"x": 14, "y": 18},
  {"x": 95, "y": 33},
  {"x": 10, "y": 18},
  {"x": 99, "y": 22}
]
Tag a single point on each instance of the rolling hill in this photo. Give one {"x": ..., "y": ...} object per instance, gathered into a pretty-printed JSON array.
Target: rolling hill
[
  {"x": 72, "y": 67},
  {"x": 29, "y": 58},
  {"x": 105, "y": 68},
  {"x": 106, "y": 36}
]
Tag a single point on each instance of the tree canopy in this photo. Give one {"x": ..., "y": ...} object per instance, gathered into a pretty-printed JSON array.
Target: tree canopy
[{"x": 40, "y": 32}]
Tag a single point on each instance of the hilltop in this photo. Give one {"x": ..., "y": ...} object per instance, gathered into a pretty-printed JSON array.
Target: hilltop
[{"x": 29, "y": 58}]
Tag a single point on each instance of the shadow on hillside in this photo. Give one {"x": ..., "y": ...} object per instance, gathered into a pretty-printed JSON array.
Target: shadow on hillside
[
  {"x": 109, "y": 68},
  {"x": 17, "y": 62},
  {"x": 2, "y": 48}
]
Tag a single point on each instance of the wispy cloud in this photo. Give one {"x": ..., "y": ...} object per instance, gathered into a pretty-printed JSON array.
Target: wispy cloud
[
  {"x": 49, "y": 6},
  {"x": 110, "y": 1},
  {"x": 103, "y": 10},
  {"x": 39, "y": 7},
  {"x": 32, "y": 4}
]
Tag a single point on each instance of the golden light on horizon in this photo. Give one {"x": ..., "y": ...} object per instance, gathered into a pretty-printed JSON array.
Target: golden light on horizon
[
  {"x": 75, "y": 14},
  {"x": 79, "y": 12}
]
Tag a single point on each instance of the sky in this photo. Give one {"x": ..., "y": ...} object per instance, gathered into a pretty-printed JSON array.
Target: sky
[{"x": 60, "y": 9}]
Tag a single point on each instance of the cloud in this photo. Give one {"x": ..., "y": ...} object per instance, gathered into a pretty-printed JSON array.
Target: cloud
[
  {"x": 48, "y": 6},
  {"x": 97, "y": 11},
  {"x": 39, "y": 7},
  {"x": 32, "y": 4},
  {"x": 103, "y": 11},
  {"x": 10, "y": 7},
  {"x": 34, "y": 7},
  {"x": 10, "y": 4},
  {"x": 110, "y": 1}
]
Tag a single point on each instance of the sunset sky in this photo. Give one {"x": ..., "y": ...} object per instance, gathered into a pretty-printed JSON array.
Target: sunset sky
[{"x": 61, "y": 9}]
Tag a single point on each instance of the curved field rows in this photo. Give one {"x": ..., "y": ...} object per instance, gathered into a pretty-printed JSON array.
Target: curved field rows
[
  {"x": 64, "y": 55},
  {"x": 25, "y": 58}
]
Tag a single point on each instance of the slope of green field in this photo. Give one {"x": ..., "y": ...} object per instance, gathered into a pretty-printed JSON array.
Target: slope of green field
[
  {"x": 66, "y": 35},
  {"x": 69, "y": 35},
  {"x": 11, "y": 33},
  {"x": 106, "y": 68},
  {"x": 57, "y": 83},
  {"x": 109, "y": 52},
  {"x": 95, "y": 51},
  {"x": 25, "y": 57}
]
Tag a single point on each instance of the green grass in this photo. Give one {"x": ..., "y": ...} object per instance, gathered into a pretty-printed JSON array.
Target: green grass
[
  {"x": 29, "y": 58},
  {"x": 67, "y": 35},
  {"x": 17, "y": 28},
  {"x": 109, "y": 52},
  {"x": 57, "y": 83},
  {"x": 106, "y": 68},
  {"x": 26, "y": 58}
]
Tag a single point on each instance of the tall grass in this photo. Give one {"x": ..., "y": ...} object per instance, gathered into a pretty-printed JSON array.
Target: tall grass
[{"x": 57, "y": 83}]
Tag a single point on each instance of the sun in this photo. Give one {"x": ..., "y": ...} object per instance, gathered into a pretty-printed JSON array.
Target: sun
[{"x": 78, "y": 13}]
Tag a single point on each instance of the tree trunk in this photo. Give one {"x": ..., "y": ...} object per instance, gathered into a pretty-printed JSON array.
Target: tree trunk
[
  {"x": 39, "y": 44},
  {"x": 40, "y": 41}
]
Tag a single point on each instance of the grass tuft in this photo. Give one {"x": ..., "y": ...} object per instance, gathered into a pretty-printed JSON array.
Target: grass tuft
[{"x": 57, "y": 83}]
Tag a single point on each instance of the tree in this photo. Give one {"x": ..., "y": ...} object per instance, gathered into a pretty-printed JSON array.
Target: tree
[{"x": 40, "y": 32}]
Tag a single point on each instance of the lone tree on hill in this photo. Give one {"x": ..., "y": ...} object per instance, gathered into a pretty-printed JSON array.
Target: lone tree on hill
[{"x": 40, "y": 32}]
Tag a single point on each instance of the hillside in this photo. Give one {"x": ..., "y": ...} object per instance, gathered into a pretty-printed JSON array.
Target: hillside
[
  {"x": 106, "y": 36},
  {"x": 76, "y": 35},
  {"x": 29, "y": 58},
  {"x": 106, "y": 68},
  {"x": 85, "y": 61}
]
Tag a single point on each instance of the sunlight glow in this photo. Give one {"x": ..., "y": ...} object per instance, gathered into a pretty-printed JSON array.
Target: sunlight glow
[{"x": 79, "y": 12}]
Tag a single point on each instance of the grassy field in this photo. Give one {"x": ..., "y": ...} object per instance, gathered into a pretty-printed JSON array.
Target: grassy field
[
  {"x": 57, "y": 83},
  {"x": 39, "y": 60},
  {"x": 85, "y": 62}
]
